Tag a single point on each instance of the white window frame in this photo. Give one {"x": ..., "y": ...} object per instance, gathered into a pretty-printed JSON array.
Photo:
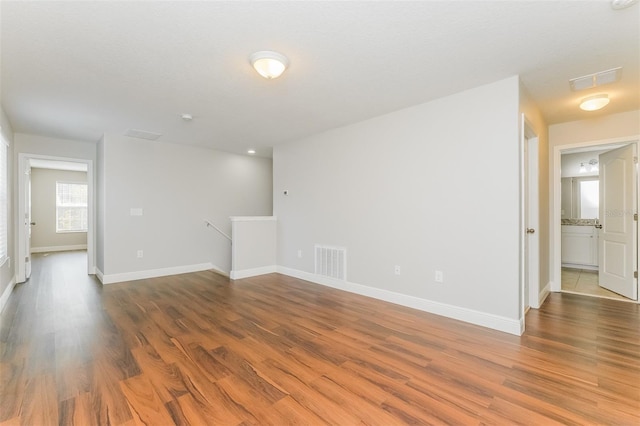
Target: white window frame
[{"x": 85, "y": 206}]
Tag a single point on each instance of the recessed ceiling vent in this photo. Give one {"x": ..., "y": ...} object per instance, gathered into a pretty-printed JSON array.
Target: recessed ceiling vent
[
  {"x": 622, "y": 4},
  {"x": 331, "y": 262},
  {"x": 596, "y": 79},
  {"x": 142, "y": 134}
]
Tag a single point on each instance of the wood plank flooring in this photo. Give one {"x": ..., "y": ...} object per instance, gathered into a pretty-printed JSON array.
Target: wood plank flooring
[{"x": 195, "y": 349}]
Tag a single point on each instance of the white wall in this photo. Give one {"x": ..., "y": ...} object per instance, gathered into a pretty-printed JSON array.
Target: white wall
[
  {"x": 177, "y": 187},
  {"x": 254, "y": 250},
  {"x": 433, "y": 187},
  {"x": 570, "y": 166},
  {"x": 595, "y": 129},
  {"x": 7, "y": 270},
  {"x": 43, "y": 211},
  {"x": 54, "y": 147}
]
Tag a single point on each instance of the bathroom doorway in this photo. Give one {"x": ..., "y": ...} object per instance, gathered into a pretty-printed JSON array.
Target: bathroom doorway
[{"x": 589, "y": 257}]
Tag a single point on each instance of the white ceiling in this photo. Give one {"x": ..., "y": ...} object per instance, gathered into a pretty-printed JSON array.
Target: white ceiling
[{"x": 79, "y": 69}]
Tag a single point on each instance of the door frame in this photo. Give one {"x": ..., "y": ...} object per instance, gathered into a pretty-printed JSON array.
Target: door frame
[
  {"x": 23, "y": 160},
  {"x": 529, "y": 203},
  {"x": 555, "y": 248}
]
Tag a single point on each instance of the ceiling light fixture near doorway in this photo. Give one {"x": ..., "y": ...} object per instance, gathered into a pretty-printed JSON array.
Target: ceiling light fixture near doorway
[
  {"x": 269, "y": 64},
  {"x": 595, "y": 102},
  {"x": 251, "y": 151},
  {"x": 187, "y": 117}
]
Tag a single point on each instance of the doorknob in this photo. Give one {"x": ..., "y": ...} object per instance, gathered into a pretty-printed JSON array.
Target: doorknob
[
  {"x": 32, "y": 223},
  {"x": 598, "y": 226},
  {"x": 531, "y": 231}
]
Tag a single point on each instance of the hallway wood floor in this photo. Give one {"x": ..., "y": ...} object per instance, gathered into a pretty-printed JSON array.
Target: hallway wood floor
[{"x": 195, "y": 349}]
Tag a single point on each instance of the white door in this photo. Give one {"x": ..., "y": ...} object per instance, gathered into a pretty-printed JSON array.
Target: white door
[
  {"x": 23, "y": 262},
  {"x": 617, "y": 245},
  {"x": 27, "y": 221},
  {"x": 532, "y": 248}
]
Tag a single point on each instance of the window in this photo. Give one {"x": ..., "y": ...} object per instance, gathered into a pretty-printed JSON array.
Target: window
[
  {"x": 71, "y": 207},
  {"x": 586, "y": 197},
  {"x": 4, "y": 200},
  {"x": 589, "y": 199}
]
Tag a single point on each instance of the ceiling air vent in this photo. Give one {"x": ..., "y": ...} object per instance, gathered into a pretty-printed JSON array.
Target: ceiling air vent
[
  {"x": 142, "y": 134},
  {"x": 596, "y": 79}
]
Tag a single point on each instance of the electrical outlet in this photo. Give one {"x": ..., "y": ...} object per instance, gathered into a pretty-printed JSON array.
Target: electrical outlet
[
  {"x": 396, "y": 270},
  {"x": 439, "y": 277},
  {"x": 299, "y": 254},
  {"x": 140, "y": 254}
]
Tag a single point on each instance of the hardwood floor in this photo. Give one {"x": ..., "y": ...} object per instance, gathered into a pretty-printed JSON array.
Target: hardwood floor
[{"x": 195, "y": 349}]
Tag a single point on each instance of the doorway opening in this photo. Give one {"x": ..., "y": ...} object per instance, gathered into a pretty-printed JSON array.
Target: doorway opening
[
  {"x": 64, "y": 214},
  {"x": 594, "y": 224}
]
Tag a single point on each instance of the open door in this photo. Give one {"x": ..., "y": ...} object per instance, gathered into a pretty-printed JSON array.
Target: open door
[
  {"x": 532, "y": 243},
  {"x": 617, "y": 245},
  {"x": 23, "y": 263},
  {"x": 27, "y": 222}
]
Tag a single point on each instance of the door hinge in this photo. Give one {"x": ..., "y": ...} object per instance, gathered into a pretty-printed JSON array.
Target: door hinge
[
  {"x": 635, "y": 274},
  {"x": 635, "y": 217}
]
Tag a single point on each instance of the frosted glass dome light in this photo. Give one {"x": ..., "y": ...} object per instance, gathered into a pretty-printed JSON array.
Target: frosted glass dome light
[{"x": 269, "y": 64}]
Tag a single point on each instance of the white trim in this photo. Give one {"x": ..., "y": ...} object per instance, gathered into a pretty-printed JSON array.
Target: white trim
[
  {"x": 251, "y": 218},
  {"x": 555, "y": 205},
  {"x": 7, "y": 293},
  {"x": 99, "y": 275},
  {"x": 58, "y": 248},
  {"x": 544, "y": 294},
  {"x": 579, "y": 266},
  {"x": 20, "y": 244},
  {"x": 495, "y": 322},
  {"x": 246, "y": 273},
  {"x": 154, "y": 273}
]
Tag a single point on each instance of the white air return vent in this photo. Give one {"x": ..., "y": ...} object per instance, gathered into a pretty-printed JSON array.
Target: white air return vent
[
  {"x": 142, "y": 134},
  {"x": 331, "y": 262},
  {"x": 596, "y": 79}
]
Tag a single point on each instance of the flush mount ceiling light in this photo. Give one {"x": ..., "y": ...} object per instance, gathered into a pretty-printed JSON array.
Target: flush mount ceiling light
[
  {"x": 251, "y": 151},
  {"x": 594, "y": 103},
  {"x": 269, "y": 64}
]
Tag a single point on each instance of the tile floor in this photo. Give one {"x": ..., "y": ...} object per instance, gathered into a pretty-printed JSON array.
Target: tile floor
[{"x": 584, "y": 281}]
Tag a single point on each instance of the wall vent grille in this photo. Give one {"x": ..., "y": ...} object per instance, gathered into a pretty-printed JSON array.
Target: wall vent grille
[{"x": 331, "y": 262}]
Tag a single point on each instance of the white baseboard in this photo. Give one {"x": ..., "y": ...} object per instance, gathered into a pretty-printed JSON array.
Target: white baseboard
[
  {"x": 578, "y": 266},
  {"x": 495, "y": 322},
  {"x": 58, "y": 248},
  {"x": 99, "y": 275},
  {"x": 544, "y": 293},
  {"x": 7, "y": 293},
  {"x": 154, "y": 273},
  {"x": 246, "y": 273}
]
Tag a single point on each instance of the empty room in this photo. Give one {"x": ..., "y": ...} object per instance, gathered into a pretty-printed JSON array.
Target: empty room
[{"x": 319, "y": 212}]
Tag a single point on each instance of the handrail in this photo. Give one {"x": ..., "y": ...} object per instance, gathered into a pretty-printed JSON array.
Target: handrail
[{"x": 211, "y": 225}]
